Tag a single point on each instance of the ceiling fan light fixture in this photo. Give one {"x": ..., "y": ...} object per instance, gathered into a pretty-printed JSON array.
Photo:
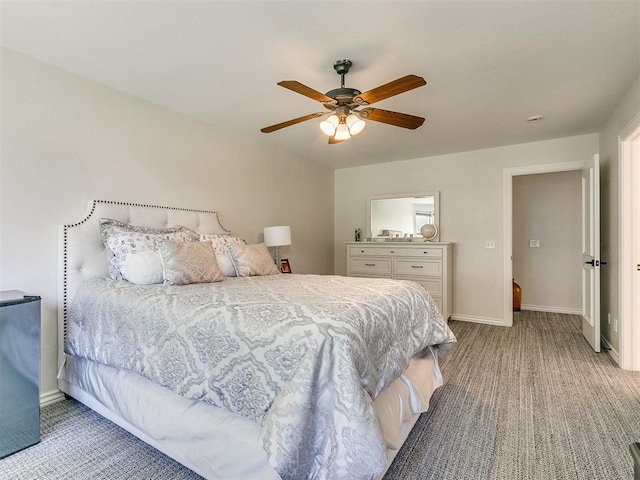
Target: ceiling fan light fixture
[
  {"x": 329, "y": 125},
  {"x": 342, "y": 131},
  {"x": 344, "y": 118},
  {"x": 355, "y": 124}
]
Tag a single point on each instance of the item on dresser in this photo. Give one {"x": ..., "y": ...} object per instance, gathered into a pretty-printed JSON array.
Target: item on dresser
[
  {"x": 242, "y": 405},
  {"x": 428, "y": 264},
  {"x": 428, "y": 232}
]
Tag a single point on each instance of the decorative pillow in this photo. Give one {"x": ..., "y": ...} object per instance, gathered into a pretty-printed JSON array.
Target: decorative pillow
[
  {"x": 220, "y": 242},
  {"x": 144, "y": 268},
  {"x": 188, "y": 262},
  {"x": 123, "y": 240},
  {"x": 252, "y": 260}
]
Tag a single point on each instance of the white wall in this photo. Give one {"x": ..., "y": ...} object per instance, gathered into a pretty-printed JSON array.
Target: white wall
[
  {"x": 470, "y": 185},
  {"x": 548, "y": 207},
  {"x": 627, "y": 109},
  {"x": 67, "y": 140}
]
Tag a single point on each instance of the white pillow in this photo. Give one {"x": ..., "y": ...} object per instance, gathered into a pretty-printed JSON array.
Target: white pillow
[
  {"x": 144, "y": 268},
  {"x": 226, "y": 264}
]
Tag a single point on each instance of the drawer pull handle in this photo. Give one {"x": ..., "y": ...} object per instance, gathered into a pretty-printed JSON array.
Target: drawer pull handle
[
  {"x": 370, "y": 264},
  {"x": 392, "y": 251},
  {"x": 425, "y": 253},
  {"x": 417, "y": 266},
  {"x": 361, "y": 251}
]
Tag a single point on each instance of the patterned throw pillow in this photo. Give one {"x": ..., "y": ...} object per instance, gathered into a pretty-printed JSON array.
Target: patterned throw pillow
[
  {"x": 252, "y": 260},
  {"x": 188, "y": 262},
  {"x": 220, "y": 242},
  {"x": 123, "y": 240}
]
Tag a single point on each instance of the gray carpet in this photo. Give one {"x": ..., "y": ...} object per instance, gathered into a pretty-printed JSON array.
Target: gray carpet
[{"x": 528, "y": 402}]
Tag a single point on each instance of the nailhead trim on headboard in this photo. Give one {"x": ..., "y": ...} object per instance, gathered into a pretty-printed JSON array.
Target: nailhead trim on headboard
[{"x": 87, "y": 217}]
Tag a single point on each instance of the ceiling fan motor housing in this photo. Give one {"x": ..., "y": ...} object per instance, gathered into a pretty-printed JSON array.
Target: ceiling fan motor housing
[{"x": 343, "y": 95}]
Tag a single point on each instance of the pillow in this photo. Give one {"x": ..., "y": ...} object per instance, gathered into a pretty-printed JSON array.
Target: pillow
[
  {"x": 220, "y": 242},
  {"x": 188, "y": 262},
  {"x": 123, "y": 240},
  {"x": 252, "y": 260},
  {"x": 145, "y": 268}
]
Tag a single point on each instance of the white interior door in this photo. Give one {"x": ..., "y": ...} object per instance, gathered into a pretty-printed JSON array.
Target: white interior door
[
  {"x": 591, "y": 253},
  {"x": 629, "y": 339}
]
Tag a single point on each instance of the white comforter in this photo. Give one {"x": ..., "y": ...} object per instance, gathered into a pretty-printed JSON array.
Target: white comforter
[{"x": 301, "y": 355}]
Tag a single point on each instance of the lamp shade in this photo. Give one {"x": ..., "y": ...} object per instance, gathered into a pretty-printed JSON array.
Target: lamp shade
[
  {"x": 277, "y": 236},
  {"x": 355, "y": 124},
  {"x": 328, "y": 127},
  {"x": 342, "y": 132}
]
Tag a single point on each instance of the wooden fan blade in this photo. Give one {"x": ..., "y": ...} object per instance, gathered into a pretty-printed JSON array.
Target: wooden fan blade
[
  {"x": 306, "y": 91},
  {"x": 333, "y": 141},
  {"x": 278, "y": 126},
  {"x": 390, "y": 89},
  {"x": 392, "y": 118}
]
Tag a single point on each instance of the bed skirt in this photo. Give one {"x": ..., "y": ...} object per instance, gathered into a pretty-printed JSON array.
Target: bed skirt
[{"x": 215, "y": 443}]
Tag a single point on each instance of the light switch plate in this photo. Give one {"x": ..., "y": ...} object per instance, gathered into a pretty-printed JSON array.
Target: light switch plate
[{"x": 534, "y": 243}]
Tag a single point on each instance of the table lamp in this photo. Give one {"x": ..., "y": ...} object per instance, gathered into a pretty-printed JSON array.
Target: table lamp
[{"x": 276, "y": 237}]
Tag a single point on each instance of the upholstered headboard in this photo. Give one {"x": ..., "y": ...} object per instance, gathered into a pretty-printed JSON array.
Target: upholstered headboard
[{"x": 82, "y": 254}]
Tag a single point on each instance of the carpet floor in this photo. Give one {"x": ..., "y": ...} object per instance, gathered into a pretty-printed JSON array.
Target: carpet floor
[{"x": 531, "y": 402}]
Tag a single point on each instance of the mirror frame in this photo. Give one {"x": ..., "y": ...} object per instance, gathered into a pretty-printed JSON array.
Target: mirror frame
[{"x": 436, "y": 208}]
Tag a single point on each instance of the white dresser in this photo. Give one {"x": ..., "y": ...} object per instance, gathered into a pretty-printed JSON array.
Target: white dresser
[{"x": 427, "y": 263}]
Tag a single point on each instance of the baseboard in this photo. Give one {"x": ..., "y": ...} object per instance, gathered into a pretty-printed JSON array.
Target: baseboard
[
  {"x": 540, "y": 308},
  {"x": 612, "y": 351},
  {"x": 474, "y": 319},
  {"x": 50, "y": 397}
]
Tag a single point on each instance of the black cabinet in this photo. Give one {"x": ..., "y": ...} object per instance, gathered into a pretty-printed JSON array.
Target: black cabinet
[{"x": 19, "y": 371}]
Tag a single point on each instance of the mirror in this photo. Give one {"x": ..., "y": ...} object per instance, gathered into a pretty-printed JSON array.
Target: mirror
[{"x": 392, "y": 216}]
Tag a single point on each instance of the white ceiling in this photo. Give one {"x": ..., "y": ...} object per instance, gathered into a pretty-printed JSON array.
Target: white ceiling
[{"x": 488, "y": 65}]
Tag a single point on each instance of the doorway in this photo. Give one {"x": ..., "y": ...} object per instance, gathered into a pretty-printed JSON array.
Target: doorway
[
  {"x": 547, "y": 212},
  {"x": 508, "y": 177}
]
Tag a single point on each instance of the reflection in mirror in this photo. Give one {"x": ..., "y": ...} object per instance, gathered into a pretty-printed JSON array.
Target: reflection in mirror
[{"x": 392, "y": 217}]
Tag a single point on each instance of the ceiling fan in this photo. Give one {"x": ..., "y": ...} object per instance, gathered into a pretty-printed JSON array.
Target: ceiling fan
[{"x": 348, "y": 108}]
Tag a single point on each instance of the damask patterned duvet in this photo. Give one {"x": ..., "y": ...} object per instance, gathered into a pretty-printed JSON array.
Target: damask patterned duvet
[{"x": 300, "y": 355}]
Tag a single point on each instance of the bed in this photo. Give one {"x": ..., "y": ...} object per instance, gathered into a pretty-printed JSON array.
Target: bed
[{"x": 307, "y": 376}]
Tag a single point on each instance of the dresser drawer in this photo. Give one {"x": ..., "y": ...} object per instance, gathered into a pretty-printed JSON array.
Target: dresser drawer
[
  {"x": 427, "y": 251},
  {"x": 372, "y": 266},
  {"x": 417, "y": 267},
  {"x": 431, "y": 285},
  {"x": 362, "y": 250},
  {"x": 392, "y": 251}
]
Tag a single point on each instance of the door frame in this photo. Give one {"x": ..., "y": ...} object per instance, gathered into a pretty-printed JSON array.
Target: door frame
[
  {"x": 628, "y": 334},
  {"x": 507, "y": 221}
]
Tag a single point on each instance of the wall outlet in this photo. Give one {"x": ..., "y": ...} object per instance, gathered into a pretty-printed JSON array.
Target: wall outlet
[
  {"x": 609, "y": 318},
  {"x": 490, "y": 244},
  {"x": 534, "y": 243}
]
